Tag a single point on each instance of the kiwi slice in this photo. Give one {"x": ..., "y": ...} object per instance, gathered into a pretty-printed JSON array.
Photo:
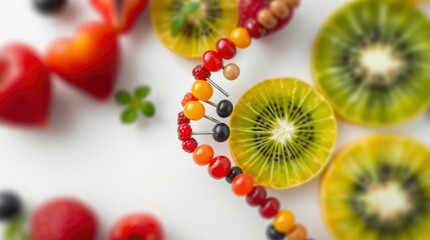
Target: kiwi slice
[
  {"x": 191, "y": 27},
  {"x": 371, "y": 60},
  {"x": 379, "y": 188},
  {"x": 282, "y": 132}
]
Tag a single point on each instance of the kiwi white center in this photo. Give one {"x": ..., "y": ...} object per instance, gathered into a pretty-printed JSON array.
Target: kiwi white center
[
  {"x": 283, "y": 131},
  {"x": 380, "y": 62},
  {"x": 387, "y": 201}
]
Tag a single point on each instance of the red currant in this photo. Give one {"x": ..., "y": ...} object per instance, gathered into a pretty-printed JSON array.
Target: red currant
[
  {"x": 190, "y": 145},
  {"x": 184, "y": 132},
  {"x": 226, "y": 48},
  {"x": 187, "y": 98},
  {"x": 200, "y": 73},
  {"x": 137, "y": 226},
  {"x": 270, "y": 208},
  {"x": 219, "y": 167},
  {"x": 182, "y": 119},
  {"x": 212, "y": 61},
  {"x": 254, "y": 28},
  {"x": 257, "y": 197}
]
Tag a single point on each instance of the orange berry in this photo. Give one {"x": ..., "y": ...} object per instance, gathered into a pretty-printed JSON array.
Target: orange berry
[
  {"x": 298, "y": 232},
  {"x": 240, "y": 37},
  {"x": 242, "y": 184},
  {"x": 203, "y": 154},
  {"x": 202, "y": 90},
  {"x": 194, "y": 110},
  {"x": 284, "y": 221}
]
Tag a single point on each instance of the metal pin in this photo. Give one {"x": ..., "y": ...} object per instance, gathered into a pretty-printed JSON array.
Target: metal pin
[
  {"x": 220, "y": 132},
  {"x": 223, "y": 109},
  {"x": 217, "y": 87}
]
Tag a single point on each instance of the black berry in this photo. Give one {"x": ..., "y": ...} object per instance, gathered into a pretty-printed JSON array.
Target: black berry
[
  {"x": 234, "y": 171},
  {"x": 221, "y": 132},
  {"x": 49, "y": 6},
  {"x": 224, "y": 108},
  {"x": 272, "y": 234},
  {"x": 10, "y": 205}
]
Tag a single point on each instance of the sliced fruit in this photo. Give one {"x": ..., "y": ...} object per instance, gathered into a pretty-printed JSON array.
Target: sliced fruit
[
  {"x": 371, "y": 60},
  {"x": 378, "y": 188},
  {"x": 191, "y": 27},
  {"x": 282, "y": 133}
]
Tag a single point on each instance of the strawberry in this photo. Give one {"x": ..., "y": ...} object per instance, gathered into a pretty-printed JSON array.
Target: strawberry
[{"x": 63, "y": 219}]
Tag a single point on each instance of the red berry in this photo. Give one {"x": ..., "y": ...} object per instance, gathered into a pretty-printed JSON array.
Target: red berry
[
  {"x": 257, "y": 197},
  {"x": 200, "y": 73},
  {"x": 63, "y": 219},
  {"x": 242, "y": 184},
  {"x": 182, "y": 119},
  {"x": 189, "y": 145},
  {"x": 187, "y": 98},
  {"x": 226, "y": 48},
  {"x": 184, "y": 132},
  {"x": 212, "y": 61},
  {"x": 270, "y": 208},
  {"x": 137, "y": 226},
  {"x": 254, "y": 28},
  {"x": 219, "y": 167}
]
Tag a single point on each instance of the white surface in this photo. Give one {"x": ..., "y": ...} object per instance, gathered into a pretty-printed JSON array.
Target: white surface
[{"x": 86, "y": 153}]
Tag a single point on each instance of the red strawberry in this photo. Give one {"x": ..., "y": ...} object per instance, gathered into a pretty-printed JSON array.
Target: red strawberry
[
  {"x": 248, "y": 10},
  {"x": 90, "y": 61},
  {"x": 25, "y": 87},
  {"x": 63, "y": 219}
]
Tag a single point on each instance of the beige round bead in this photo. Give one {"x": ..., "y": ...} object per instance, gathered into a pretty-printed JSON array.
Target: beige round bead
[
  {"x": 266, "y": 18},
  {"x": 292, "y": 3},
  {"x": 231, "y": 71},
  {"x": 279, "y": 9},
  {"x": 299, "y": 232}
]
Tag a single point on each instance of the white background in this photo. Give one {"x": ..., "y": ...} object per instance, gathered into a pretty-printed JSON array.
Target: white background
[{"x": 86, "y": 153}]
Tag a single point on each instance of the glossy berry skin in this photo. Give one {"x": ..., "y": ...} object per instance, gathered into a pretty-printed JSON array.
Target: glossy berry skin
[
  {"x": 184, "y": 132},
  {"x": 284, "y": 221},
  {"x": 221, "y": 132},
  {"x": 254, "y": 28},
  {"x": 190, "y": 145},
  {"x": 25, "y": 87},
  {"x": 200, "y": 73},
  {"x": 49, "y": 6},
  {"x": 182, "y": 119},
  {"x": 270, "y": 208},
  {"x": 212, "y": 61},
  {"x": 194, "y": 110},
  {"x": 224, "y": 108},
  {"x": 63, "y": 219},
  {"x": 272, "y": 234},
  {"x": 242, "y": 184},
  {"x": 202, "y": 90},
  {"x": 226, "y": 48},
  {"x": 219, "y": 167},
  {"x": 257, "y": 197},
  {"x": 137, "y": 226},
  {"x": 203, "y": 155},
  {"x": 234, "y": 171},
  {"x": 10, "y": 205},
  {"x": 187, "y": 98},
  {"x": 240, "y": 37}
]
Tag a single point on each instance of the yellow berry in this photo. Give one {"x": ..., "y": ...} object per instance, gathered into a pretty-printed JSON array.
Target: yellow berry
[
  {"x": 194, "y": 110},
  {"x": 202, "y": 90},
  {"x": 240, "y": 37},
  {"x": 284, "y": 221}
]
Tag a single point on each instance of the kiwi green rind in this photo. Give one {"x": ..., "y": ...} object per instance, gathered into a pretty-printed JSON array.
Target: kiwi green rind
[
  {"x": 406, "y": 101},
  {"x": 409, "y": 161},
  {"x": 290, "y": 162}
]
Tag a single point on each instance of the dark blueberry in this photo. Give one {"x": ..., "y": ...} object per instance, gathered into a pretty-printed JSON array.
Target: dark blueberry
[
  {"x": 221, "y": 132},
  {"x": 10, "y": 205},
  {"x": 234, "y": 171},
  {"x": 49, "y": 6},
  {"x": 224, "y": 108},
  {"x": 272, "y": 234}
]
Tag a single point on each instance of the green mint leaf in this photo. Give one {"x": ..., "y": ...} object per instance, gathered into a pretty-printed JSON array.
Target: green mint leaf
[
  {"x": 190, "y": 8},
  {"x": 123, "y": 97},
  {"x": 142, "y": 92},
  {"x": 147, "y": 108},
  {"x": 129, "y": 115},
  {"x": 15, "y": 230},
  {"x": 177, "y": 24}
]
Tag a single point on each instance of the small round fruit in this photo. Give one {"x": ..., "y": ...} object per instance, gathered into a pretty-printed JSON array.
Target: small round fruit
[
  {"x": 272, "y": 234},
  {"x": 224, "y": 108},
  {"x": 234, "y": 171},
  {"x": 221, "y": 132},
  {"x": 202, "y": 90},
  {"x": 49, "y": 6},
  {"x": 299, "y": 232},
  {"x": 270, "y": 208},
  {"x": 203, "y": 155},
  {"x": 190, "y": 145},
  {"x": 219, "y": 167},
  {"x": 65, "y": 219},
  {"x": 240, "y": 37},
  {"x": 254, "y": 28},
  {"x": 200, "y": 73},
  {"x": 284, "y": 221},
  {"x": 137, "y": 226},
  {"x": 287, "y": 129},
  {"x": 231, "y": 71},
  {"x": 10, "y": 205},
  {"x": 279, "y": 9},
  {"x": 211, "y": 21},
  {"x": 242, "y": 184},
  {"x": 376, "y": 187},
  {"x": 226, "y": 48},
  {"x": 212, "y": 61},
  {"x": 257, "y": 197},
  {"x": 373, "y": 71},
  {"x": 194, "y": 110},
  {"x": 266, "y": 18}
]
